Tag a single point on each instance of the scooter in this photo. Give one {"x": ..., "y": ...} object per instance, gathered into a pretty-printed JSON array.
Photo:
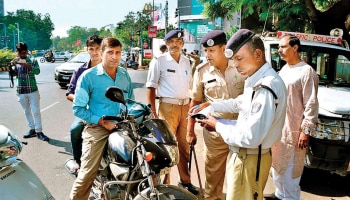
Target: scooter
[
  {"x": 17, "y": 179},
  {"x": 47, "y": 58}
]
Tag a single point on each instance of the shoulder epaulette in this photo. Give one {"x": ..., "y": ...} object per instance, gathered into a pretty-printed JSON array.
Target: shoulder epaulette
[{"x": 201, "y": 65}]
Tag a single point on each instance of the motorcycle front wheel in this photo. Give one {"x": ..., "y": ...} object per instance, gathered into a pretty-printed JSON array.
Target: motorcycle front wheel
[
  {"x": 52, "y": 60},
  {"x": 42, "y": 59},
  {"x": 167, "y": 192}
]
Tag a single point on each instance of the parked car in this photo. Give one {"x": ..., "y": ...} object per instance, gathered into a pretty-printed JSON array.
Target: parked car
[
  {"x": 62, "y": 56},
  {"x": 64, "y": 72}
]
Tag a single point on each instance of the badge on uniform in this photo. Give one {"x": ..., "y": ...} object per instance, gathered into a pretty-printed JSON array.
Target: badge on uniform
[
  {"x": 256, "y": 107},
  {"x": 213, "y": 80},
  {"x": 170, "y": 70}
]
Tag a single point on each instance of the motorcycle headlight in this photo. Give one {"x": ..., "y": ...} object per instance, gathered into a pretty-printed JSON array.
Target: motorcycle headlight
[
  {"x": 330, "y": 129},
  {"x": 10, "y": 146},
  {"x": 173, "y": 153}
]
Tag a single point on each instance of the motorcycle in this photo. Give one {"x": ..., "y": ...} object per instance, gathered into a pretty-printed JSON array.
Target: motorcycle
[
  {"x": 17, "y": 180},
  {"x": 47, "y": 58},
  {"x": 139, "y": 151}
]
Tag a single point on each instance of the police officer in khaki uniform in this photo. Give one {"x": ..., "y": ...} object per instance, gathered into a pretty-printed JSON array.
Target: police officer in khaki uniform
[
  {"x": 170, "y": 77},
  {"x": 213, "y": 81}
]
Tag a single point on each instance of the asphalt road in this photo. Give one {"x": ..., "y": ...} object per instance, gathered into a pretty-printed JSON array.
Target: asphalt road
[{"x": 47, "y": 159}]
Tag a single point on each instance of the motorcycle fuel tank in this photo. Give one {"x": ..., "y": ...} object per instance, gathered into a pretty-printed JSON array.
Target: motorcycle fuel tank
[{"x": 18, "y": 182}]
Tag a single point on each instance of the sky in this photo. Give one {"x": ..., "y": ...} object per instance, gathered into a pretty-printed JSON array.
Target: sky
[{"x": 85, "y": 13}]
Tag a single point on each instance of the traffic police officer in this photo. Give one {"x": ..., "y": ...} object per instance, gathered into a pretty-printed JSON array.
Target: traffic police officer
[
  {"x": 261, "y": 108},
  {"x": 214, "y": 81},
  {"x": 170, "y": 76}
]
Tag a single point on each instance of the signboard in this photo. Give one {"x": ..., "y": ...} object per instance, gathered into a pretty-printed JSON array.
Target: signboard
[
  {"x": 313, "y": 37},
  {"x": 147, "y": 53},
  {"x": 152, "y": 31}
]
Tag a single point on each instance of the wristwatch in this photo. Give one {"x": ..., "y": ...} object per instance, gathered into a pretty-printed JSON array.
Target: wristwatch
[{"x": 306, "y": 131}]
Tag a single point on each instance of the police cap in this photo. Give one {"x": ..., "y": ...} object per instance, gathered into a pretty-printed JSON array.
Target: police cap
[
  {"x": 213, "y": 38},
  {"x": 173, "y": 34},
  {"x": 240, "y": 38}
]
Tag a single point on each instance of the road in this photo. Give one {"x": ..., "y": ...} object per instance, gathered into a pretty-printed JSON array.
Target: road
[{"x": 47, "y": 159}]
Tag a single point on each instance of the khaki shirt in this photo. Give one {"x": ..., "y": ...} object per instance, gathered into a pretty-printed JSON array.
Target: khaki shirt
[{"x": 209, "y": 84}]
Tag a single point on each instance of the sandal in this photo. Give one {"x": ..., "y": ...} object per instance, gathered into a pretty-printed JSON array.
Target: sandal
[{"x": 72, "y": 166}]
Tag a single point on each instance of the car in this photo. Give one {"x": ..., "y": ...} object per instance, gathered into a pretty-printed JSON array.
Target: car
[
  {"x": 329, "y": 142},
  {"x": 64, "y": 72},
  {"x": 62, "y": 56}
]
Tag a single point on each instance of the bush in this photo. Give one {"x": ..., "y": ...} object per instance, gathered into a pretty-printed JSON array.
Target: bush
[
  {"x": 146, "y": 62},
  {"x": 5, "y": 57}
]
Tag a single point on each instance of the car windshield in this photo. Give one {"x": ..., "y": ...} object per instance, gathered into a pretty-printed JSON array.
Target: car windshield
[
  {"x": 332, "y": 65},
  {"x": 80, "y": 58}
]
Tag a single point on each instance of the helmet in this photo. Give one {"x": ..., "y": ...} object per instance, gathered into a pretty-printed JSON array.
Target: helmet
[{"x": 10, "y": 146}]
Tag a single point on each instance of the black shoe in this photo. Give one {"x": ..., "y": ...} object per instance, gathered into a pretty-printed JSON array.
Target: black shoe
[
  {"x": 271, "y": 197},
  {"x": 30, "y": 134},
  {"x": 42, "y": 137},
  {"x": 191, "y": 188}
]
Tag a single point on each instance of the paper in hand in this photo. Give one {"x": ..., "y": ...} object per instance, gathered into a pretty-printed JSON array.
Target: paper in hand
[{"x": 203, "y": 114}]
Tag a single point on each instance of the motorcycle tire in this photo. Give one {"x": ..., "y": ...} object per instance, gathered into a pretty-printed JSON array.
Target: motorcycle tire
[
  {"x": 53, "y": 60},
  {"x": 167, "y": 192},
  {"x": 42, "y": 60}
]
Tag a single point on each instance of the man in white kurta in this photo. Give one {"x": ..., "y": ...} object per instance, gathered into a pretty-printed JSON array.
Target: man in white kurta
[{"x": 302, "y": 110}]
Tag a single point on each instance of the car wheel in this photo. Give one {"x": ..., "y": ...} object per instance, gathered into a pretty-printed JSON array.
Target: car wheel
[
  {"x": 63, "y": 84},
  {"x": 42, "y": 60}
]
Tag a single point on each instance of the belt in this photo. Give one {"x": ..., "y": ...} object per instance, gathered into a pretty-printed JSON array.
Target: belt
[
  {"x": 235, "y": 149},
  {"x": 175, "y": 101}
]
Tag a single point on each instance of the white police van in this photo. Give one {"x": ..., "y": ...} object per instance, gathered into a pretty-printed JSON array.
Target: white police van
[{"x": 329, "y": 147}]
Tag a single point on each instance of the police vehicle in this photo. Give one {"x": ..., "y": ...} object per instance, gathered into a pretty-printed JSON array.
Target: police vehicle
[{"x": 329, "y": 55}]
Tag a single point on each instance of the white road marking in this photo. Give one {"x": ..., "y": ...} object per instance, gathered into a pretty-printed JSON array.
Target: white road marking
[{"x": 42, "y": 110}]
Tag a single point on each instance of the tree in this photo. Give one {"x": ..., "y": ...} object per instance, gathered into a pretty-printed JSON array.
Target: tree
[
  {"x": 313, "y": 16},
  {"x": 35, "y": 29}
]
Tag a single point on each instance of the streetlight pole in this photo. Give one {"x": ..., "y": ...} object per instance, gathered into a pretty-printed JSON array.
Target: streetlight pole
[
  {"x": 5, "y": 36},
  {"x": 17, "y": 32}
]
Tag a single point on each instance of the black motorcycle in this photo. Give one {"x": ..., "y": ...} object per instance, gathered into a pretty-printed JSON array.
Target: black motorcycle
[
  {"x": 138, "y": 152},
  {"x": 47, "y": 58}
]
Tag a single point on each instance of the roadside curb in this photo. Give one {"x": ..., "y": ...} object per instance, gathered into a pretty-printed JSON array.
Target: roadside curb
[{"x": 4, "y": 69}]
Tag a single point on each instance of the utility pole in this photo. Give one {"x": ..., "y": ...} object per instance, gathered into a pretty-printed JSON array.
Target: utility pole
[
  {"x": 17, "y": 32},
  {"x": 166, "y": 17}
]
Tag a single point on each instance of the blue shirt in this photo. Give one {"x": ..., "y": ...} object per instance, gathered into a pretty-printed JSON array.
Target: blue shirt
[
  {"x": 75, "y": 76},
  {"x": 90, "y": 102}
]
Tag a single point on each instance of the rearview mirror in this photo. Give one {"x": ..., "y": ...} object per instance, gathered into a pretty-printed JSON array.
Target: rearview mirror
[{"x": 115, "y": 94}]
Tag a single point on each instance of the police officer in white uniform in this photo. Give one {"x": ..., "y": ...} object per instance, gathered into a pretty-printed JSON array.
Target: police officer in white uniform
[
  {"x": 261, "y": 108},
  {"x": 169, "y": 77}
]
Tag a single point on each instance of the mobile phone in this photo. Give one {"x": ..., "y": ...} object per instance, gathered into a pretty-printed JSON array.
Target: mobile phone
[
  {"x": 21, "y": 61},
  {"x": 199, "y": 116}
]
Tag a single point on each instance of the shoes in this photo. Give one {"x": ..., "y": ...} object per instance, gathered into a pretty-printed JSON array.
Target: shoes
[
  {"x": 30, "y": 134},
  {"x": 191, "y": 188},
  {"x": 72, "y": 166},
  {"x": 42, "y": 137},
  {"x": 271, "y": 197}
]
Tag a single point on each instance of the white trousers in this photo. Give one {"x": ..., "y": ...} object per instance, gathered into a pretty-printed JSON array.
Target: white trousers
[{"x": 287, "y": 188}]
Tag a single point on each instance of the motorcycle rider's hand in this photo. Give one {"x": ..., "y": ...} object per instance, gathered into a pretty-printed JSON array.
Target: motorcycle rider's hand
[{"x": 109, "y": 125}]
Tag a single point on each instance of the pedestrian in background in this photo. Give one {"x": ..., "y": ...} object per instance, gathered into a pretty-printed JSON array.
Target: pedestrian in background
[
  {"x": 170, "y": 76},
  {"x": 288, "y": 154},
  {"x": 261, "y": 110},
  {"x": 93, "y": 44},
  {"x": 27, "y": 90},
  {"x": 214, "y": 81},
  {"x": 90, "y": 104}
]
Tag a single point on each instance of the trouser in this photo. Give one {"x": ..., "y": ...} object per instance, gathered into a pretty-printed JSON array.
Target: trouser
[
  {"x": 287, "y": 188},
  {"x": 241, "y": 175},
  {"x": 216, "y": 152},
  {"x": 30, "y": 103},
  {"x": 176, "y": 116},
  {"x": 76, "y": 139},
  {"x": 94, "y": 141}
]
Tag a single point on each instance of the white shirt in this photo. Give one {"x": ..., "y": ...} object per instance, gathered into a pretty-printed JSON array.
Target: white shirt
[
  {"x": 259, "y": 121},
  {"x": 171, "y": 79}
]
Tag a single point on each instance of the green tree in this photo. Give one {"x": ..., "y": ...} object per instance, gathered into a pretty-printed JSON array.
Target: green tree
[
  {"x": 35, "y": 29},
  {"x": 314, "y": 16}
]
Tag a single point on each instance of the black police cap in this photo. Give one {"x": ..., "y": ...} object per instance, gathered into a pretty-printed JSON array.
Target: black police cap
[
  {"x": 213, "y": 38},
  {"x": 240, "y": 38},
  {"x": 173, "y": 34}
]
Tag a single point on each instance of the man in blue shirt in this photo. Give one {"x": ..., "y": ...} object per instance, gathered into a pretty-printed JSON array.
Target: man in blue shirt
[
  {"x": 93, "y": 44},
  {"x": 90, "y": 104}
]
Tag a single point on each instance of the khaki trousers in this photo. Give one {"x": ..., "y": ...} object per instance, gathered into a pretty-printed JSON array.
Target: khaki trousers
[
  {"x": 176, "y": 116},
  {"x": 241, "y": 172},
  {"x": 216, "y": 152},
  {"x": 94, "y": 141}
]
